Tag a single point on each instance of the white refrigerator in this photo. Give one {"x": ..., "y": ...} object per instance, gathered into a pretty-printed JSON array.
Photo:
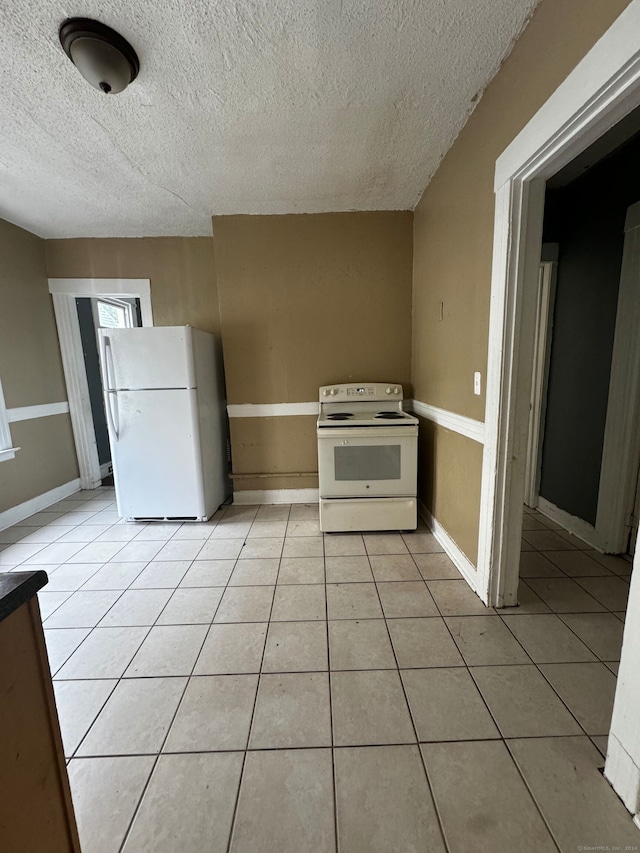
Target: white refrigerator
[{"x": 166, "y": 412}]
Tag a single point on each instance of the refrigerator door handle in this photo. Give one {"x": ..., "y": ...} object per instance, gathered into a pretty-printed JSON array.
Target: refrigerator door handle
[{"x": 107, "y": 357}]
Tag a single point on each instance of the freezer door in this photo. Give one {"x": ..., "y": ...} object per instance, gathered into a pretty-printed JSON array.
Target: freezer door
[
  {"x": 148, "y": 357},
  {"x": 156, "y": 456}
]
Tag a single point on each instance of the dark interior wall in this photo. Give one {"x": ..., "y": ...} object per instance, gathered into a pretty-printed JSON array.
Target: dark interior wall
[
  {"x": 94, "y": 379},
  {"x": 587, "y": 219}
]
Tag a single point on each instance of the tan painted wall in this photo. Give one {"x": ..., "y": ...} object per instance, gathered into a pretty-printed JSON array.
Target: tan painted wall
[
  {"x": 275, "y": 445},
  {"x": 31, "y": 371},
  {"x": 47, "y": 459},
  {"x": 30, "y": 365},
  {"x": 453, "y": 235},
  {"x": 181, "y": 271},
  {"x": 449, "y": 477},
  {"x": 307, "y": 301}
]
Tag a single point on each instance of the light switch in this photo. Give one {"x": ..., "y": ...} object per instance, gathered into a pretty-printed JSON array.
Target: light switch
[{"x": 477, "y": 383}]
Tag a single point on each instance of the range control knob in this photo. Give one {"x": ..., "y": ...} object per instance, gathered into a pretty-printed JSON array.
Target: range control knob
[
  {"x": 396, "y": 390},
  {"x": 333, "y": 392},
  {"x": 325, "y": 392},
  {"x": 387, "y": 391}
]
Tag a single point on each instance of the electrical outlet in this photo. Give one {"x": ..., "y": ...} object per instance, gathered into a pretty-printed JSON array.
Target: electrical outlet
[{"x": 477, "y": 383}]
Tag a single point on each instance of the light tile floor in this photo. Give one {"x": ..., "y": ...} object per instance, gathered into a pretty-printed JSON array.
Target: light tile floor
[{"x": 248, "y": 685}]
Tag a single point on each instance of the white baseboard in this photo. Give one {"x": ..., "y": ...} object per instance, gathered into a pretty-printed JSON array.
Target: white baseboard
[
  {"x": 455, "y": 554},
  {"x": 18, "y": 513},
  {"x": 105, "y": 469},
  {"x": 571, "y": 523},
  {"x": 276, "y": 496}
]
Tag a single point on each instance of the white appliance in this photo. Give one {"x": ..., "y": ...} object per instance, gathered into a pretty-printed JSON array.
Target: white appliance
[
  {"x": 164, "y": 397},
  {"x": 367, "y": 459}
]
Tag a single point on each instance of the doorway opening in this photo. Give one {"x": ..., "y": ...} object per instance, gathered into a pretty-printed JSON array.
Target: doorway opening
[
  {"x": 81, "y": 307},
  {"x": 583, "y": 462},
  {"x": 100, "y": 312},
  {"x": 603, "y": 89}
]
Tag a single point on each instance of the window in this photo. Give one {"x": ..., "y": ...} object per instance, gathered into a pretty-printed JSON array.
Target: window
[
  {"x": 114, "y": 314},
  {"x": 7, "y": 451}
]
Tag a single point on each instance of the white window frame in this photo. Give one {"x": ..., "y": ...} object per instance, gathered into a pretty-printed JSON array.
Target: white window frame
[
  {"x": 7, "y": 450},
  {"x": 119, "y": 303}
]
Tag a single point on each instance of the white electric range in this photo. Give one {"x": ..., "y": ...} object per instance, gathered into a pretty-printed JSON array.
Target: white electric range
[{"x": 367, "y": 459}]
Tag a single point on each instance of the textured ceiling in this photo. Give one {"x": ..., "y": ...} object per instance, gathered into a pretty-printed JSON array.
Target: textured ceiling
[{"x": 241, "y": 106}]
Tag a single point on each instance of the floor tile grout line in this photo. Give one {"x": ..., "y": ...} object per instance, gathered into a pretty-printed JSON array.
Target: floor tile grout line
[
  {"x": 584, "y": 642},
  {"x": 100, "y": 710},
  {"x": 580, "y": 587},
  {"x": 333, "y": 669},
  {"x": 126, "y": 588},
  {"x": 410, "y": 743},
  {"x": 468, "y": 667},
  {"x": 232, "y": 826},
  {"x": 169, "y": 727},
  {"x": 330, "y": 686},
  {"x": 92, "y": 628},
  {"x": 117, "y": 680},
  {"x": 495, "y": 722},
  {"x": 53, "y": 627},
  {"x": 562, "y": 701},
  {"x": 415, "y": 732},
  {"x": 534, "y": 799}
]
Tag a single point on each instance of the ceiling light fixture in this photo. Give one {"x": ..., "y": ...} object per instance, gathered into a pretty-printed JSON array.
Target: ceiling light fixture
[{"x": 103, "y": 57}]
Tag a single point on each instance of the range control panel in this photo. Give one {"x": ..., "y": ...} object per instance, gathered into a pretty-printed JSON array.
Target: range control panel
[{"x": 366, "y": 391}]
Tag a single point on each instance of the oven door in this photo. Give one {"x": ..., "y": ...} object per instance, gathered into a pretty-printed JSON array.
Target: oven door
[{"x": 368, "y": 462}]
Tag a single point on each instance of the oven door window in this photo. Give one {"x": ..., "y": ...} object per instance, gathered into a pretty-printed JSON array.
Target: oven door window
[{"x": 368, "y": 462}]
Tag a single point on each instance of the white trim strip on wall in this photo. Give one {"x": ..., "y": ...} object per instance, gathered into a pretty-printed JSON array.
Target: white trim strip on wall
[
  {"x": 18, "y": 513},
  {"x": 458, "y": 423},
  {"x": 450, "y": 420},
  {"x": 460, "y": 560},
  {"x": 276, "y": 496},
  {"x": 8, "y": 453},
  {"x": 29, "y": 413},
  {"x": 271, "y": 410}
]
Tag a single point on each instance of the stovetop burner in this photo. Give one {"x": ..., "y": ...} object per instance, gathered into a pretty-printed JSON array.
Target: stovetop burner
[
  {"x": 390, "y": 416},
  {"x": 340, "y": 416}
]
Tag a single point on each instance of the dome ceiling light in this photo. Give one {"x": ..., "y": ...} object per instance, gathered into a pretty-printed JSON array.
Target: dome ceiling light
[{"x": 103, "y": 57}]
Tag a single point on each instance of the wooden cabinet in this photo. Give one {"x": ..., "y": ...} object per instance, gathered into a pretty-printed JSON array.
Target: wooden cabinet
[{"x": 36, "y": 813}]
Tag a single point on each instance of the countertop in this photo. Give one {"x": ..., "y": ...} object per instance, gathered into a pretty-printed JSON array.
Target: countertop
[{"x": 16, "y": 588}]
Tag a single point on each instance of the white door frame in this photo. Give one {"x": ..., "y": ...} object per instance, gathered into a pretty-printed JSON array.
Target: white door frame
[
  {"x": 602, "y": 89},
  {"x": 541, "y": 359},
  {"x": 64, "y": 292},
  {"x": 621, "y": 448}
]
